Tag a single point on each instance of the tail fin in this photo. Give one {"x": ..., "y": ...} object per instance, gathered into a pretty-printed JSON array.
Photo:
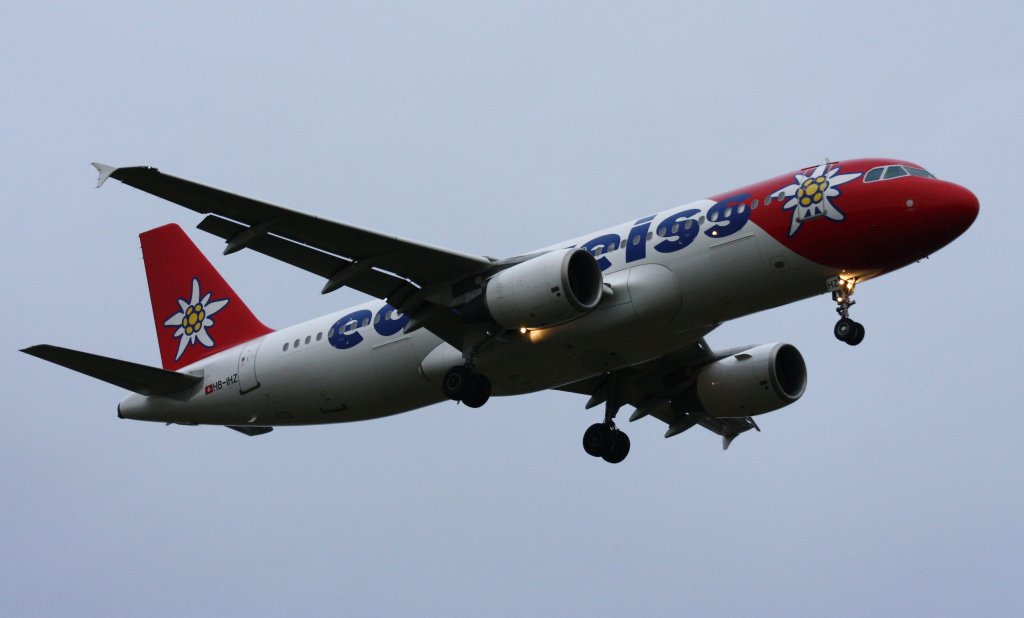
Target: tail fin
[{"x": 196, "y": 312}]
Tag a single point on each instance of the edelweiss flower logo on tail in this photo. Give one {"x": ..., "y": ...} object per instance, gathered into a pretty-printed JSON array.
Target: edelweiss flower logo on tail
[
  {"x": 194, "y": 319},
  {"x": 810, "y": 196}
]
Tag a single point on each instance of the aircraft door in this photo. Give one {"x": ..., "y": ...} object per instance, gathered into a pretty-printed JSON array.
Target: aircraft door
[{"x": 247, "y": 367}]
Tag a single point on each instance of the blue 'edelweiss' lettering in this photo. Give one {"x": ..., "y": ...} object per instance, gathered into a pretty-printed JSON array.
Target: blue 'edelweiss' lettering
[
  {"x": 729, "y": 216},
  {"x": 345, "y": 332},
  {"x": 677, "y": 231}
]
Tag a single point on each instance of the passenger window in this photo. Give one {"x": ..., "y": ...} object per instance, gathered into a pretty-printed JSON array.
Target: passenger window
[
  {"x": 753, "y": 205},
  {"x": 319, "y": 336},
  {"x": 611, "y": 247},
  {"x": 675, "y": 228},
  {"x": 688, "y": 224},
  {"x": 874, "y": 174},
  {"x": 296, "y": 344},
  {"x": 713, "y": 216},
  {"x": 285, "y": 348},
  {"x": 636, "y": 240},
  {"x": 598, "y": 251},
  {"x": 742, "y": 209},
  {"x": 650, "y": 235},
  {"x": 894, "y": 171},
  {"x": 662, "y": 231},
  {"x": 351, "y": 326},
  {"x": 366, "y": 321},
  {"x": 330, "y": 333},
  {"x": 308, "y": 339}
]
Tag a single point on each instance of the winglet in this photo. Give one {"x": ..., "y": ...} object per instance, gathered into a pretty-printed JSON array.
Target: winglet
[{"x": 105, "y": 172}]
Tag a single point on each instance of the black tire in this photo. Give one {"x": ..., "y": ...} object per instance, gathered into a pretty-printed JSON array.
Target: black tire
[
  {"x": 844, "y": 329},
  {"x": 619, "y": 448},
  {"x": 597, "y": 440},
  {"x": 857, "y": 335},
  {"x": 457, "y": 382},
  {"x": 479, "y": 394}
]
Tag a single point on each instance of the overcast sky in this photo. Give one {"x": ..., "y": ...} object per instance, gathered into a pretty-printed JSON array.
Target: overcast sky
[{"x": 894, "y": 487}]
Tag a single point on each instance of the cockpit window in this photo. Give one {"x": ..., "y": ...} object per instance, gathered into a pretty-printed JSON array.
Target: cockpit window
[
  {"x": 889, "y": 172},
  {"x": 914, "y": 171},
  {"x": 894, "y": 171}
]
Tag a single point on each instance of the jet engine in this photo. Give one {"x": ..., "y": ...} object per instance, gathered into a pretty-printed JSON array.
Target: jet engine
[
  {"x": 546, "y": 290},
  {"x": 761, "y": 379}
]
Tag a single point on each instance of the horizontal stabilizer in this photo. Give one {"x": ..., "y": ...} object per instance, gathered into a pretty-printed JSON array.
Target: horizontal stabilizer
[{"x": 142, "y": 379}]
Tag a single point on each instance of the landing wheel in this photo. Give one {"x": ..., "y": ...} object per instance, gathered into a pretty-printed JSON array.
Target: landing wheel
[
  {"x": 619, "y": 449},
  {"x": 844, "y": 329},
  {"x": 479, "y": 393},
  {"x": 458, "y": 381},
  {"x": 597, "y": 440},
  {"x": 604, "y": 440},
  {"x": 858, "y": 334},
  {"x": 848, "y": 331}
]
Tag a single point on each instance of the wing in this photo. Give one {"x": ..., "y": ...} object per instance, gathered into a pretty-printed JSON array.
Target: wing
[
  {"x": 416, "y": 278},
  {"x": 656, "y": 388}
]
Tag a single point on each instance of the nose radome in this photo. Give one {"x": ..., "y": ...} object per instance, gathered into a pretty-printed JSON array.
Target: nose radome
[
  {"x": 954, "y": 210},
  {"x": 961, "y": 208}
]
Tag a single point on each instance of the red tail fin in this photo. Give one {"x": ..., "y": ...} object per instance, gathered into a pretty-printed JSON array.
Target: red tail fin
[{"x": 196, "y": 312}]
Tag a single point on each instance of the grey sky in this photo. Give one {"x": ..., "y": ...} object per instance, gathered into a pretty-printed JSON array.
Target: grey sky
[{"x": 893, "y": 487}]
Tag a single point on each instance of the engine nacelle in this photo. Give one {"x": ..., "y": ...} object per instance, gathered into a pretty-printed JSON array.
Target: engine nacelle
[
  {"x": 549, "y": 289},
  {"x": 761, "y": 379}
]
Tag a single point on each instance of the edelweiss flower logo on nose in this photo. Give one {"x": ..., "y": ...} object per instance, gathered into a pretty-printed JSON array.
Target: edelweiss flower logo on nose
[
  {"x": 193, "y": 319},
  {"x": 810, "y": 196}
]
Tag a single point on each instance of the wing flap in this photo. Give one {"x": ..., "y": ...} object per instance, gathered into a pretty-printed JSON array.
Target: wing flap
[
  {"x": 372, "y": 282},
  {"x": 142, "y": 379}
]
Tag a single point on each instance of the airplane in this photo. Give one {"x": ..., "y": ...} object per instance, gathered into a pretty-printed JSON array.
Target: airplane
[{"x": 619, "y": 315}]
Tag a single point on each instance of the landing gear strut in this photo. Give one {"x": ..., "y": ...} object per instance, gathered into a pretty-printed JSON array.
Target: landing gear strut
[
  {"x": 466, "y": 385},
  {"x": 605, "y": 440},
  {"x": 846, "y": 330}
]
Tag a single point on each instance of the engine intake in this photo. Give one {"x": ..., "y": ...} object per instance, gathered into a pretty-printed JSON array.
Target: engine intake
[
  {"x": 761, "y": 379},
  {"x": 549, "y": 289}
]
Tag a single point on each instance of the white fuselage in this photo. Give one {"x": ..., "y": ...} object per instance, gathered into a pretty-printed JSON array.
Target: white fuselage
[{"x": 660, "y": 301}]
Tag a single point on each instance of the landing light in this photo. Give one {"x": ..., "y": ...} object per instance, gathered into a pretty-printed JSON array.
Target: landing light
[{"x": 522, "y": 330}]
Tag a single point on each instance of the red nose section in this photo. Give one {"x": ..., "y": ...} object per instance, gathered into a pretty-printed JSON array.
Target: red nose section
[
  {"x": 958, "y": 208},
  {"x": 934, "y": 214},
  {"x": 886, "y": 225}
]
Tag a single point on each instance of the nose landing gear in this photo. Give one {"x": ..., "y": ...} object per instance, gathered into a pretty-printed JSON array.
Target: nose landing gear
[{"x": 846, "y": 330}]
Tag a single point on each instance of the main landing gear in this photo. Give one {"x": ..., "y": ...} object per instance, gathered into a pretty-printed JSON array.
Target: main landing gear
[
  {"x": 846, "y": 330},
  {"x": 606, "y": 441},
  {"x": 466, "y": 385}
]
